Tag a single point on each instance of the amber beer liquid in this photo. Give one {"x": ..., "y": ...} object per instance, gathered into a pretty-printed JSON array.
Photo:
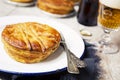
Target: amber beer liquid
[
  {"x": 88, "y": 12},
  {"x": 109, "y": 16}
]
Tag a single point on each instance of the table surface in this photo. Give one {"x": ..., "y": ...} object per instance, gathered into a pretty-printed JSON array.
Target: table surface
[{"x": 113, "y": 60}]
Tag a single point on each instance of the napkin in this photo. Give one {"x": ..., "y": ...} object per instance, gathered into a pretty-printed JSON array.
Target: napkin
[{"x": 107, "y": 65}]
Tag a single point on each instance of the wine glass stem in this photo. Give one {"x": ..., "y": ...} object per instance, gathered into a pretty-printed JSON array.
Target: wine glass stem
[
  {"x": 106, "y": 39},
  {"x": 106, "y": 44}
]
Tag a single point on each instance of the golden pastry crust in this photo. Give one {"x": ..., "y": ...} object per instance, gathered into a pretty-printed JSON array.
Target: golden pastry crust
[
  {"x": 30, "y": 42},
  {"x": 56, "y": 6},
  {"x": 22, "y": 1}
]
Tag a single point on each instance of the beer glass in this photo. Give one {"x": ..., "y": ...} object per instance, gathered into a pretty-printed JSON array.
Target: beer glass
[{"x": 109, "y": 20}]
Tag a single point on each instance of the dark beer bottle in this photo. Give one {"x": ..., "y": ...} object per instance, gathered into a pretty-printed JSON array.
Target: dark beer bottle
[{"x": 88, "y": 12}]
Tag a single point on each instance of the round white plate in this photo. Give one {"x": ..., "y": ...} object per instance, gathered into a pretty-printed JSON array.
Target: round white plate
[{"x": 57, "y": 61}]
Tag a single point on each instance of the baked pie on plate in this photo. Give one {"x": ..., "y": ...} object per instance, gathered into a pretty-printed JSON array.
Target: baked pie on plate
[
  {"x": 57, "y": 8},
  {"x": 30, "y": 42}
]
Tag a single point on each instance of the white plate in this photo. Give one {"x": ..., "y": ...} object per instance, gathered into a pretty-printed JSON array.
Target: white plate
[
  {"x": 53, "y": 63},
  {"x": 19, "y": 4}
]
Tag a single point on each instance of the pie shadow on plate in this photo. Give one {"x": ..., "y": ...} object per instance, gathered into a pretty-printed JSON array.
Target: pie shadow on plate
[{"x": 55, "y": 55}]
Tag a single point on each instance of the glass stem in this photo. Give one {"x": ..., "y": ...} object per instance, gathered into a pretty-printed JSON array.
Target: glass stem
[
  {"x": 106, "y": 39},
  {"x": 106, "y": 44}
]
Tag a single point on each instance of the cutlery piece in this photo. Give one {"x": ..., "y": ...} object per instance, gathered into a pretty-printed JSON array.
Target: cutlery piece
[
  {"x": 72, "y": 60},
  {"x": 72, "y": 67}
]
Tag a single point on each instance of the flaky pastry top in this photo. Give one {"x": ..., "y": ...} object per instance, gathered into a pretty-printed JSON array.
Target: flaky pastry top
[{"x": 31, "y": 36}]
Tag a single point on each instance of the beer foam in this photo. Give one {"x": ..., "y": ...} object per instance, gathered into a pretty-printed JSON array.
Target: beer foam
[{"x": 111, "y": 3}]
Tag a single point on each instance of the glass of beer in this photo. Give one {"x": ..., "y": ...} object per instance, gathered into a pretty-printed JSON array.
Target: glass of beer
[{"x": 109, "y": 20}]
